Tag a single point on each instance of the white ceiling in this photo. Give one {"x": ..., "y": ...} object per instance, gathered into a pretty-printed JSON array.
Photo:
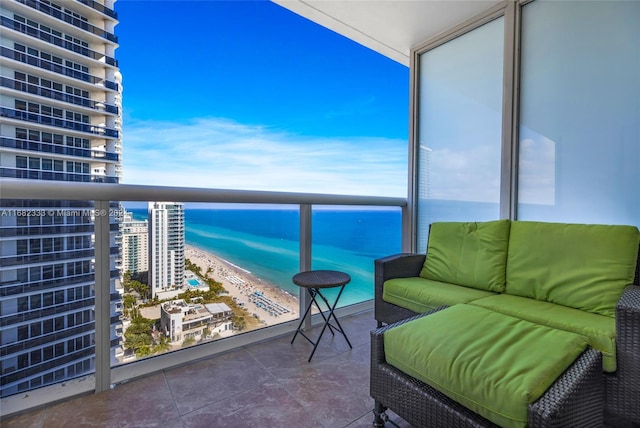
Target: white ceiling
[{"x": 389, "y": 27}]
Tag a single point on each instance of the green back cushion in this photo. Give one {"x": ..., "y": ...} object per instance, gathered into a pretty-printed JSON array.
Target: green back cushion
[
  {"x": 581, "y": 266},
  {"x": 494, "y": 364},
  {"x": 469, "y": 254}
]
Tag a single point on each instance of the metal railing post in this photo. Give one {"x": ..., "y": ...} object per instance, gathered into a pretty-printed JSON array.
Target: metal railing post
[
  {"x": 407, "y": 241},
  {"x": 102, "y": 296},
  {"x": 305, "y": 257}
]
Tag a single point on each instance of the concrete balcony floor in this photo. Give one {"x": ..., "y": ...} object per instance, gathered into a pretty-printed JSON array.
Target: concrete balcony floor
[{"x": 269, "y": 384}]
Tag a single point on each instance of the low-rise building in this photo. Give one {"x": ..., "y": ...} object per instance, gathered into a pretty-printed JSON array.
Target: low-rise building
[
  {"x": 180, "y": 320},
  {"x": 222, "y": 317}
]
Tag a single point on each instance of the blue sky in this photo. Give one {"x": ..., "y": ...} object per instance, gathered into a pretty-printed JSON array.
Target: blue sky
[{"x": 248, "y": 95}]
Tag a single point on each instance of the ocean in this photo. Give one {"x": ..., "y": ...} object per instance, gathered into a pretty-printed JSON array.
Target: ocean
[{"x": 265, "y": 242}]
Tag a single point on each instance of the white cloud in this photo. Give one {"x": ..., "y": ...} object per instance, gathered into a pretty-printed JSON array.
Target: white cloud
[
  {"x": 537, "y": 170},
  {"x": 472, "y": 174},
  {"x": 222, "y": 154}
]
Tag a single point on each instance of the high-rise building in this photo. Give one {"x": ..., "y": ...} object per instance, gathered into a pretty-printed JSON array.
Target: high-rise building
[
  {"x": 135, "y": 244},
  {"x": 59, "y": 120},
  {"x": 166, "y": 246}
]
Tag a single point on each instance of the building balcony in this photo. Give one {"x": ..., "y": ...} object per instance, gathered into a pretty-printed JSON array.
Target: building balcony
[
  {"x": 56, "y": 68},
  {"x": 41, "y": 91},
  {"x": 85, "y": 353},
  {"x": 45, "y": 312},
  {"x": 100, "y": 8},
  {"x": 41, "y": 147},
  {"x": 57, "y": 256},
  {"x": 33, "y": 231},
  {"x": 108, "y": 372},
  {"x": 14, "y": 348},
  {"x": 70, "y": 19},
  {"x": 58, "y": 122},
  {"x": 55, "y": 176},
  {"x": 57, "y": 41},
  {"x": 11, "y": 288}
]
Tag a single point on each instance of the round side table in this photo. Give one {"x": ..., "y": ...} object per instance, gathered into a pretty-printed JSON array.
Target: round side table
[{"x": 314, "y": 281}]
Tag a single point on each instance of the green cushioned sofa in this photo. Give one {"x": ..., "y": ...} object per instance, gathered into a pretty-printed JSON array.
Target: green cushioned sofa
[{"x": 578, "y": 278}]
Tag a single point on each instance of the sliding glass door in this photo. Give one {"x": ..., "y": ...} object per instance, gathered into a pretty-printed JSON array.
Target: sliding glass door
[
  {"x": 579, "y": 147},
  {"x": 459, "y": 129},
  {"x": 573, "y": 148}
]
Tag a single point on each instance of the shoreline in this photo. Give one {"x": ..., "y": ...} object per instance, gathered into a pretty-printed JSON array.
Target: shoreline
[{"x": 270, "y": 303}]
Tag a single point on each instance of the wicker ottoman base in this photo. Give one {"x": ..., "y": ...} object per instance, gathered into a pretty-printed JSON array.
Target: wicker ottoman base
[{"x": 575, "y": 399}]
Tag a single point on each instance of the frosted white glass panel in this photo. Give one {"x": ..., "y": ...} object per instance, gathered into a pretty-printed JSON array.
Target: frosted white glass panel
[
  {"x": 459, "y": 129},
  {"x": 579, "y": 151}
]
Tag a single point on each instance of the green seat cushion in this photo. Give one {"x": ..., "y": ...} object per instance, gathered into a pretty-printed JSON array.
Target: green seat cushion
[
  {"x": 577, "y": 265},
  {"x": 421, "y": 295},
  {"x": 599, "y": 330},
  {"x": 491, "y": 363},
  {"x": 469, "y": 254}
]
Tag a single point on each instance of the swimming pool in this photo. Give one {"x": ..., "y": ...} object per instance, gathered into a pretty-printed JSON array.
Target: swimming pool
[{"x": 193, "y": 282}]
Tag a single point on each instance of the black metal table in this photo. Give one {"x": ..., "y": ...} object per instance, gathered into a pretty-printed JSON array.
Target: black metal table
[{"x": 314, "y": 281}]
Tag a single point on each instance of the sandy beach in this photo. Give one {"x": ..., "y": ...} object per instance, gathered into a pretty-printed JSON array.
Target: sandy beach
[{"x": 271, "y": 304}]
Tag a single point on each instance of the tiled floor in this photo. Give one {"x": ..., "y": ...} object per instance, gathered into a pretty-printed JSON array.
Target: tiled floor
[{"x": 267, "y": 384}]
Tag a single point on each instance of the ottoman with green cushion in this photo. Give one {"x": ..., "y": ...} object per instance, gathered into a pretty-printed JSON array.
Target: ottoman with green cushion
[{"x": 493, "y": 364}]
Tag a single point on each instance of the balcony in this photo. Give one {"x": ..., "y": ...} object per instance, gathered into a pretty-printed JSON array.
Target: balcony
[
  {"x": 42, "y": 147},
  {"x": 55, "y": 176},
  {"x": 267, "y": 343},
  {"x": 63, "y": 16},
  {"x": 58, "y": 122},
  {"x": 58, "y": 41},
  {"x": 6, "y": 82},
  {"x": 46, "y": 257},
  {"x": 265, "y": 380},
  {"x": 56, "y": 68},
  {"x": 100, "y": 8}
]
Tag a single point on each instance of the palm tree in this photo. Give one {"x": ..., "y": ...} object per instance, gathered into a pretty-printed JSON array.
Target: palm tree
[
  {"x": 138, "y": 335},
  {"x": 240, "y": 323},
  {"x": 129, "y": 303},
  {"x": 188, "y": 342},
  {"x": 162, "y": 345}
]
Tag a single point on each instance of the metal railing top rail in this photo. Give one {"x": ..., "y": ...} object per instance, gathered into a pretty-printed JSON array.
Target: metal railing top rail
[{"x": 35, "y": 189}]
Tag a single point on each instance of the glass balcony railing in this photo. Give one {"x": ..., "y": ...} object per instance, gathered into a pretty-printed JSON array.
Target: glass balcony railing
[
  {"x": 56, "y": 68},
  {"x": 35, "y": 174},
  {"x": 45, "y": 312},
  {"x": 45, "y": 339},
  {"x": 100, "y": 8},
  {"x": 70, "y": 19},
  {"x": 349, "y": 240},
  {"x": 57, "y": 95},
  {"x": 57, "y": 41},
  {"x": 237, "y": 255},
  {"x": 41, "y": 147},
  {"x": 58, "y": 122},
  {"x": 57, "y": 256},
  {"x": 16, "y": 286}
]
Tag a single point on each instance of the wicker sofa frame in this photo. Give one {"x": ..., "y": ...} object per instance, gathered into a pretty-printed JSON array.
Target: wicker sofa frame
[
  {"x": 622, "y": 388},
  {"x": 575, "y": 399}
]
